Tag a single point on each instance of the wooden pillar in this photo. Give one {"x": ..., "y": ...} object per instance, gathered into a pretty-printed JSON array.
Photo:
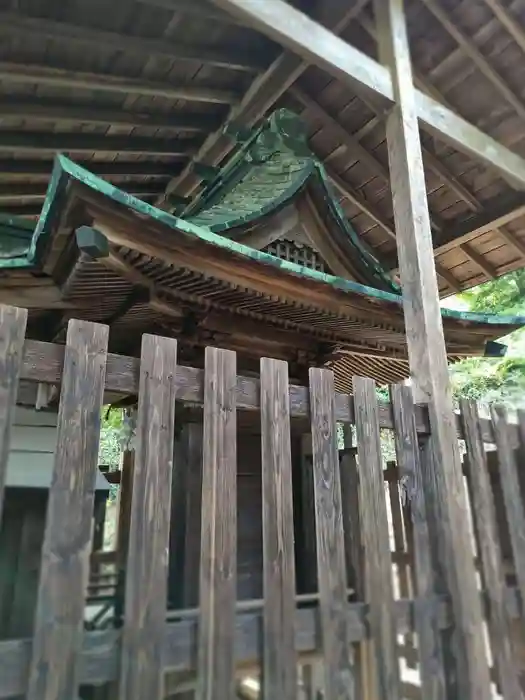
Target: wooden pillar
[{"x": 443, "y": 483}]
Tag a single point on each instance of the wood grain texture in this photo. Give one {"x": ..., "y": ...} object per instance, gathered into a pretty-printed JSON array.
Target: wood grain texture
[
  {"x": 147, "y": 563},
  {"x": 337, "y": 651},
  {"x": 12, "y": 333},
  {"x": 510, "y": 484},
  {"x": 426, "y": 624},
  {"x": 484, "y": 514},
  {"x": 280, "y": 662},
  {"x": 374, "y": 528},
  {"x": 450, "y": 536},
  {"x": 55, "y": 662},
  {"x": 218, "y": 528}
]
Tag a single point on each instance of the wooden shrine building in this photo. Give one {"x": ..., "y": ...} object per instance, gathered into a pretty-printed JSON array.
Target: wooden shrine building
[{"x": 239, "y": 218}]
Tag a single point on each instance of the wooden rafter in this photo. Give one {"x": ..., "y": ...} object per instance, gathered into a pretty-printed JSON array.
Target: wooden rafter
[
  {"x": 260, "y": 97},
  {"x": 476, "y": 56},
  {"x": 67, "y": 113},
  {"x": 511, "y": 24},
  {"x": 314, "y": 43},
  {"x": 194, "y": 8},
  {"x": 34, "y": 142},
  {"x": 58, "y": 77},
  {"x": 13, "y": 24}
]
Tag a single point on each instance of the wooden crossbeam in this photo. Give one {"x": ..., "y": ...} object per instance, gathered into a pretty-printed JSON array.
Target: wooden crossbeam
[
  {"x": 12, "y": 24},
  {"x": 117, "y": 169},
  {"x": 314, "y": 43},
  {"x": 468, "y": 46},
  {"x": 67, "y": 113},
  {"x": 260, "y": 97},
  {"x": 58, "y": 77},
  {"x": 37, "y": 142},
  {"x": 511, "y": 24}
]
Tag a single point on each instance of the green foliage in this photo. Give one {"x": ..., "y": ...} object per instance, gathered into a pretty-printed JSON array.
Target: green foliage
[
  {"x": 110, "y": 437},
  {"x": 487, "y": 379}
]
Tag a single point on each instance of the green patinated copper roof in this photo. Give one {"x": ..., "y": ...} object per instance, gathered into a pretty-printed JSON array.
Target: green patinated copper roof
[{"x": 65, "y": 171}]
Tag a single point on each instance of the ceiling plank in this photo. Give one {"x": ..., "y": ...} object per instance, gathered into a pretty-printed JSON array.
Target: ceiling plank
[
  {"x": 12, "y": 193},
  {"x": 511, "y": 24},
  {"x": 476, "y": 56},
  {"x": 194, "y": 8},
  {"x": 13, "y": 24},
  {"x": 479, "y": 260},
  {"x": 58, "y": 77},
  {"x": 114, "y": 169},
  {"x": 318, "y": 45},
  {"x": 67, "y": 113},
  {"x": 26, "y": 141},
  {"x": 260, "y": 97}
]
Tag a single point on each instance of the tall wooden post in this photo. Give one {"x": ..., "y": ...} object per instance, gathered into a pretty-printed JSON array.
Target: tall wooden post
[{"x": 443, "y": 485}]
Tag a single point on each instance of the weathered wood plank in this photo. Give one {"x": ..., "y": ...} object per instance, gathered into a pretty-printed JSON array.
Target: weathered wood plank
[
  {"x": 12, "y": 334},
  {"x": 426, "y": 624},
  {"x": 280, "y": 662},
  {"x": 218, "y": 529},
  {"x": 484, "y": 515},
  {"x": 374, "y": 528},
  {"x": 147, "y": 565},
  {"x": 331, "y": 571},
  {"x": 54, "y": 669},
  {"x": 450, "y": 534},
  {"x": 510, "y": 484}
]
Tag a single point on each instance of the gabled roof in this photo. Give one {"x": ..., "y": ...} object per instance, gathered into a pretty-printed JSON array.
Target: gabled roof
[{"x": 140, "y": 269}]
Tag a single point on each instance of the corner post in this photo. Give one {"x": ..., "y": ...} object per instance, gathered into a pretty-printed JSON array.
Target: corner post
[{"x": 443, "y": 484}]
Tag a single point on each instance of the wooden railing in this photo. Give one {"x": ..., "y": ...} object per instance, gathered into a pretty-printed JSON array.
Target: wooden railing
[{"x": 359, "y": 595}]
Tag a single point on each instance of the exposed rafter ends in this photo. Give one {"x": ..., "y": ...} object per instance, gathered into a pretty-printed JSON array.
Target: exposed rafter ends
[
  {"x": 31, "y": 142},
  {"x": 12, "y": 24},
  {"x": 58, "y": 77},
  {"x": 280, "y": 21},
  {"x": 66, "y": 113}
]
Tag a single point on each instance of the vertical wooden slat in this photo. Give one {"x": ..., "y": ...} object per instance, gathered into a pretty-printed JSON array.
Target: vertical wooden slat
[
  {"x": 12, "y": 333},
  {"x": 374, "y": 528},
  {"x": 489, "y": 550},
  {"x": 147, "y": 563},
  {"x": 510, "y": 484},
  {"x": 67, "y": 539},
  {"x": 123, "y": 527},
  {"x": 407, "y": 451},
  {"x": 218, "y": 528},
  {"x": 337, "y": 649},
  {"x": 280, "y": 661}
]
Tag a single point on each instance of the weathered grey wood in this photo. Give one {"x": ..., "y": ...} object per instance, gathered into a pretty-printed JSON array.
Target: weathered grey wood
[
  {"x": 283, "y": 23},
  {"x": 337, "y": 651},
  {"x": 123, "y": 527},
  {"x": 12, "y": 333},
  {"x": 512, "y": 495},
  {"x": 426, "y": 623},
  {"x": 374, "y": 528},
  {"x": 428, "y": 359},
  {"x": 147, "y": 565},
  {"x": 194, "y": 446},
  {"x": 218, "y": 528},
  {"x": 484, "y": 515},
  {"x": 54, "y": 669},
  {"x": 280, "y": 662},
  {"x": 43, "y": 363}
]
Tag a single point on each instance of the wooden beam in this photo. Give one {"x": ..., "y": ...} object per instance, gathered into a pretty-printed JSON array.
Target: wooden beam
[
  {"x": 13, "y": 24},
  {"x": 428, "y": 359},
  {"x": 260, "y": 97},
  {"x": 113, "y": 170},
  {"x": 479, "y": 260},
  {"x": 511, "y": 24},
  {"x": 67, "y": 113},
  {"x": 59, "y": 77},
  {"x": 28, "y": 141},
  {"x": 468, "y": 46},
  {"x": 193, "y": 8},
  {"x": 37, "y": 192},
  {"x": 314, "y": 43}
]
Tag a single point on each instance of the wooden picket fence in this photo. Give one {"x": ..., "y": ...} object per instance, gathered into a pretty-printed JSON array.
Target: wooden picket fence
[{"x": 367, "y": 612}]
